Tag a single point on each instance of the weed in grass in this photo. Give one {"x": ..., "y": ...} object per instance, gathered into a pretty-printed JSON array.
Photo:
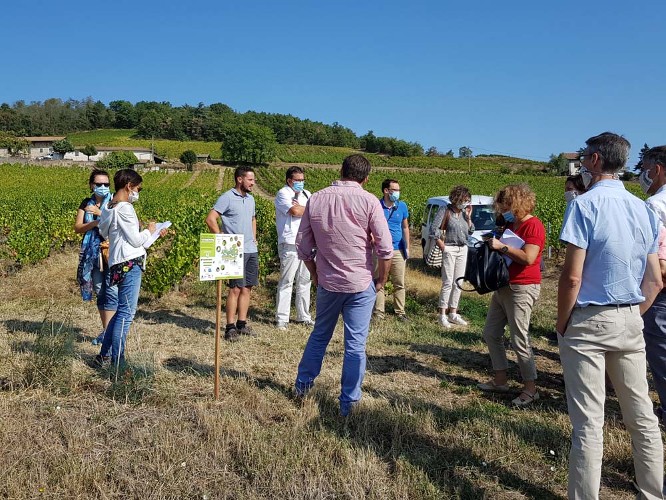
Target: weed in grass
[
  {"x": 133, "y": 380},
  {"x": 50, "y": 362}
]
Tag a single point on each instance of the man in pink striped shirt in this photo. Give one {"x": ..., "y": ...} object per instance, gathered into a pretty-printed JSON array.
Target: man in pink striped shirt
[{"x": 340, "y": 226}]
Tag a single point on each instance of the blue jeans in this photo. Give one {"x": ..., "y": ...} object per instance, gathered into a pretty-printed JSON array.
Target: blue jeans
[
  {"x": 356, "y": 309},
  {"x": 654, "y": 332},
  {"x": 107, "y": 295},
  {"x": 116, "y": 332}
]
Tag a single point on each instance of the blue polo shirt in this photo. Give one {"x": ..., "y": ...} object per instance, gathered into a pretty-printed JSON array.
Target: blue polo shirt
[
  {"x": 618, "y": 231},
  {"x": 394, "y": 216},
  {"x": 237, "y": 212}
]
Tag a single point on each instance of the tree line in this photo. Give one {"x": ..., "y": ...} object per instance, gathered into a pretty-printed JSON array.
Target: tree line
[{"x": 162, "y": 120}]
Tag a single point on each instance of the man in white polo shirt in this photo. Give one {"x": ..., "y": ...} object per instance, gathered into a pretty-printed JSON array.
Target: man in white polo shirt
[{"x": 290, "y": 203}]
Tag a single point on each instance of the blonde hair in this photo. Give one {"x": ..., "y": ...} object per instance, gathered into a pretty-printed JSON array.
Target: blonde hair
[{"x": 519, "y": 198}]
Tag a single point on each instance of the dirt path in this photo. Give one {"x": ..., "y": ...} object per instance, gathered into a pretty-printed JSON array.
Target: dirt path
[
  {"x": 220, "y": 179},
  {"x": 193, "y": 178},
  {"x": 164, "y": 178}
]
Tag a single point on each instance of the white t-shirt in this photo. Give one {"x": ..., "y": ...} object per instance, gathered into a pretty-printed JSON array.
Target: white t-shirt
[
  {"x": 121, "y": 227},
  {"x": 657, "y": 202},
  {"x": 287, "y": 224}
]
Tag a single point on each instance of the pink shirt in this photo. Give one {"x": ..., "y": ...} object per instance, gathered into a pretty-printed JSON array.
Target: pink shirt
[
  {"x": 338, "y": 225},
  {"x": 661, "y": 250}
]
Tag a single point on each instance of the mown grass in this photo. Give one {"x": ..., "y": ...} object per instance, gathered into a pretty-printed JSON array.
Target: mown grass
[{"x": 423, "y": 430}]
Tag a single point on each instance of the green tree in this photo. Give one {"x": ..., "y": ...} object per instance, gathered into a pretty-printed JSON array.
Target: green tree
[
  {"x": 432, "y": 151},
  {"x": 13, "y": 143},
  {"x": 89, "y": 150},
  {"x": 189, "y": 158},
  {"x": 449, "y": 153},
  {"x": 63, "y": 146},
  {"x": 465, "y": 152},
  {"x": 118, "y": 159},
  {"x": 642, "y": 152},
  {"x": 248, "y": 143},
  {"x": 558, "y": 165}
]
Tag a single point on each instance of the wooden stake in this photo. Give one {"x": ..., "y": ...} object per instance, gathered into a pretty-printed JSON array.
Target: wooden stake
[{"x": 218, "y": 319}]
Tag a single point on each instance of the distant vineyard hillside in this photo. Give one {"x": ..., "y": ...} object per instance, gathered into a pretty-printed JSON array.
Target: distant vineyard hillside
[{"x": 313, "y": 155}]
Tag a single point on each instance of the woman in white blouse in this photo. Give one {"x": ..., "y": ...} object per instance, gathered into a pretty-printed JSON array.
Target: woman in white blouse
[{"x": 127, "y": 256}]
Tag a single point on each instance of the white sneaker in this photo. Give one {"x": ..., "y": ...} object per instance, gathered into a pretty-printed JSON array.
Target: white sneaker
[
  {"x": 282, "y": 326},
  {"x": 444, "y": 322},
  {"x": 457, "y": 319}
]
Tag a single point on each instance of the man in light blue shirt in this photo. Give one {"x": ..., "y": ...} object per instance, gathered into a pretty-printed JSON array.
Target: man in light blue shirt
[{"x": 610, "y": 277}]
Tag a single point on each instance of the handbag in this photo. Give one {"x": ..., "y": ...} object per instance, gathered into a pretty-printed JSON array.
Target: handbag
[
  {"x": 434, "y": 254},
  {"x": 104, "y": 252},
  {"x": 486, "y": 270}
]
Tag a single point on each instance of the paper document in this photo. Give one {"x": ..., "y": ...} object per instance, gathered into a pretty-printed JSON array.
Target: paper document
[
  {"x": 511, "y": 239},
  {"x": 153, "y": 237}
]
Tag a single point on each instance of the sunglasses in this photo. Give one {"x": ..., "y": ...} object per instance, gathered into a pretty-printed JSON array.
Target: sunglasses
[{"x": 100, "y": 184}]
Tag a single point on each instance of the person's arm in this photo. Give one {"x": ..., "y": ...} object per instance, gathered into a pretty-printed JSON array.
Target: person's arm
[
  {"x": 128, "y": 223},
  {"x": 79, "y": 226},
  {"x": 405, "y": 235},
  {"x": 524, "y": 256},
  {"x": 652, "y": 282},
  {"x": 296, "y": 209},
  {"x": 254, "y": 228},
  {"x": 211, "y": 222},
  {"x": 383, "y": 242},
  {"x": 470, "y": 225},
  {"x": 569, "y": 285}
]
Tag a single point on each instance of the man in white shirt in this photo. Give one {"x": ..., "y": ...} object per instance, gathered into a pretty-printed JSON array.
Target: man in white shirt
[{"x": 290, "y": 203}]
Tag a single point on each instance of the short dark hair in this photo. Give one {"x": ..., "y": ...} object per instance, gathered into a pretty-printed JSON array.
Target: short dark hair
[
  {"x": 386, "y": 183},
  {"x": 126, "y": 176},
  {"x": 459, "y": 194},
  {"x": 242, "y": 172},
  {"x": 293, "y": 170},
  {"x": 95, "y": 173},
  {"x": 356, "y": 168},
  {"x": 655, "y": 155},
  {"x": 613, "y": 149},
  {"x": 577, "y": 181}
]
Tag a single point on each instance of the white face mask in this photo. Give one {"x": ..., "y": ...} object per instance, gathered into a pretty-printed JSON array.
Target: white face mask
[
  {"x": 133, "y": 196},
  {"x": 586, "y": 177},
  {"x": 645, "y": 181},
  {"x": 570, "y": 195}
]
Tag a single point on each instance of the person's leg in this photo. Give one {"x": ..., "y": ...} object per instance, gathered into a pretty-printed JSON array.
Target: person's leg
[
  {"x": 289, "y": 265},
  {"x": 626, "y": 369},
  {"x": 250, "y": 279},
  {"x": 232, "y": 303},
  {"x": 128, "y": 298},
  {"x": 493, "y": 335},
  {"x": 582, "y": 353},
  {"x": 356, "y": 313},
  {"x": 302, "y": 300},
  {"x": 448, "y": 270},
  {"x": 654, "y": 333},
  {"x": 329, "y": 305},
  {"x": 244, "y": 302},
  {"x": 519, "y": 313},
  {"x": 454, "y": 299},
  {"x": 398, "y": 265},
  {"x": 110, "y": 302}
]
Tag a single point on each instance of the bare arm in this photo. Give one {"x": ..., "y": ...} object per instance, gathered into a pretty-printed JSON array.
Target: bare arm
[
  {"x": 296, "y": 210},
  {"x": 312, "y": 267},
  {"x": 662, "y": 267},
  {"x": 80, "y": 227},
  {"x": 405, "y": 234},
  {"x": 569, "y": 285},
  {"x": 254, "y": 228},
  {"x": 524, "y": 256},
  {"x": 383, "y": 268},
  {"x": 652, "y": 282},
  {"x": 211, "y": 222}
]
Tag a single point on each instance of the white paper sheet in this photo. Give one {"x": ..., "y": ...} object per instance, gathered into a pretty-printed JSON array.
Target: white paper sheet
[
  {"x": 153, "y": 237},
  {"x": 511, "y": 239}
]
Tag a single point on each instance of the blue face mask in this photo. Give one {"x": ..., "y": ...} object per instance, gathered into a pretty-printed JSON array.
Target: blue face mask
[
  {"x": 508, "y": 216},
  {"x": 394, "y": 196},
  {"x": 101, "y": 191},
  {"x": 299, "y": 186}
]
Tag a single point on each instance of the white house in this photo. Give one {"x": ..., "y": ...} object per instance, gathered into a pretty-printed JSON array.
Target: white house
[
  {"x": 574, "y": 162},
  {"x": 143, "y": 155},
  {"x": 41, "y": 145}
]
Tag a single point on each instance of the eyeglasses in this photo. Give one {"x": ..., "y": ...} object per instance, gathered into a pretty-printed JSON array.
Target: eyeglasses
[
  {"x": 587, "y": 156},
  {"x": 100, "y": 184}
]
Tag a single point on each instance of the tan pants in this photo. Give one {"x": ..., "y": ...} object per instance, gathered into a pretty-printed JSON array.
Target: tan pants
[
  {"x": 512, "y": 305},
  {"x": 454, "y": 260},
  {"x": 610, "y": 339},
  {"x": 397, "y": 277}
]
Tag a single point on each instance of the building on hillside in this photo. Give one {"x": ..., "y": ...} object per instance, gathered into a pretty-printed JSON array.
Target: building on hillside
[
  {"x": 574, "y": 162},
  {"x": 42, "y": 146},
  {"x": 143, "y": 155},
  {"x": 4, "y": 153},
  {"x": 203, "y": 158}
]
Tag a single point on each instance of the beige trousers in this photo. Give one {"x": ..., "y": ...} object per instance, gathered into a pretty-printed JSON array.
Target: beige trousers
[
  {"x": 454, "y": 260},
  {"x": 512, "y": 305},
  {"x": 608, "y": 339},
  {"x": 397, "y": 277}
]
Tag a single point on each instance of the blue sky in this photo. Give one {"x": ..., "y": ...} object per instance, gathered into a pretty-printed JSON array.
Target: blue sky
[{"x": 523, "y": 78}]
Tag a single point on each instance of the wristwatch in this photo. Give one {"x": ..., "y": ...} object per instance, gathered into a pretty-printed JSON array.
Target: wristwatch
[{"x": 504, "y": 249}]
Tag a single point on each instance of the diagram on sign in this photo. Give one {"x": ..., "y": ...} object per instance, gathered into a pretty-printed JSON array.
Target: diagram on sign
[{"x": 220, "y": 256}]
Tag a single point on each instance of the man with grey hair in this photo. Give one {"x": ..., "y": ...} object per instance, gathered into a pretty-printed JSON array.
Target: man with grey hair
[
  {"x": 653, "y": 182},
  {"x": 609, "y": 279}
]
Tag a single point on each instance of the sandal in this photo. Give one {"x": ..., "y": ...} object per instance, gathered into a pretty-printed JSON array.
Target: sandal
[
  {"x": 491, "y": 386},
  {"x": 531, "y": 398}
]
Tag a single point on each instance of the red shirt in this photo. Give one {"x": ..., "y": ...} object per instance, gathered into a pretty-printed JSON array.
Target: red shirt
[{"x": 533, "y": 233}]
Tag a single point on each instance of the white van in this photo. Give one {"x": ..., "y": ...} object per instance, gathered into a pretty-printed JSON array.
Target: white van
[{"x": 483, "y": 217}]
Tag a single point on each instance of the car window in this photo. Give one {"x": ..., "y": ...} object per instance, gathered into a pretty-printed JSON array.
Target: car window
[
  {"x": 426, "y": 215},
  {"x": 483, "y": 217}
]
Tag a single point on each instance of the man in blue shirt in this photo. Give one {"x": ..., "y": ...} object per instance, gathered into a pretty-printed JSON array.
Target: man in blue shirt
[
  {"x": 397, "y": 216},
  {"x": 610, "y": 277},
  {"x": 236, "y": 209}
]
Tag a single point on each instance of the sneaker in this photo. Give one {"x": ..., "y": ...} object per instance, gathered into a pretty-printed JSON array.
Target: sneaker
[
  {"x": 281, "y": 326},
  {"x": 247, "y": 330},
  {"x": 232, "y": 335},
  {"x": 456, "y": 319},
  {"x": 347, "y": 408},
  {"x": 102, "y": 361},
  {"x": 98, "y": 340},
  {"x": 529, "y": 399},
  {"x": 308, "y": 322},
  {"x": 403, "y": 318},
  {"x": 444, "y": 322}
]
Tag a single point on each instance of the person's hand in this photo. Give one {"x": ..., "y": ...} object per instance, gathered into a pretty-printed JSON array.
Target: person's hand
[
  {"x": 468, "y": 211},
  {"x": 561, "y": 327},
  {"x": 152, "y": 226},
  {"x": 164, "y": 232},
  {"x": 440, "y": 244},
  {"x": 495, "y": 244},
  {"x": 93, "y": 209},
  {"x": 315, "y": 281}
]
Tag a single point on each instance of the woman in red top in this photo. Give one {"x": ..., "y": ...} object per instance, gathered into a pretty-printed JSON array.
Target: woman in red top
[{"x": 513, "y": 304}]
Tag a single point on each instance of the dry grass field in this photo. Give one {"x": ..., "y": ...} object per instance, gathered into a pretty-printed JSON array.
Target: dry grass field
[{"x": 422, "y": 431}]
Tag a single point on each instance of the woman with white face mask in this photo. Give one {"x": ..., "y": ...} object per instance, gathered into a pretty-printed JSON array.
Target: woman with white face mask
[
  {"x": 127, "y": 258},
  {"x": 573, "y": 187},
  {"x": 93, "y": 273}
]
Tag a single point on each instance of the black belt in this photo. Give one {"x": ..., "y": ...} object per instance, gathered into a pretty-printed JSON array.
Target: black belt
[{"x": 613, "y": 305}]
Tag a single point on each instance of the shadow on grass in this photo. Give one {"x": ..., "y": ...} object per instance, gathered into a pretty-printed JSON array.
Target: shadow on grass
[
  {"x": 36, "y": 327},
  {"x": 163, "y": 316},
  {"x": 388, "y": 364}
]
